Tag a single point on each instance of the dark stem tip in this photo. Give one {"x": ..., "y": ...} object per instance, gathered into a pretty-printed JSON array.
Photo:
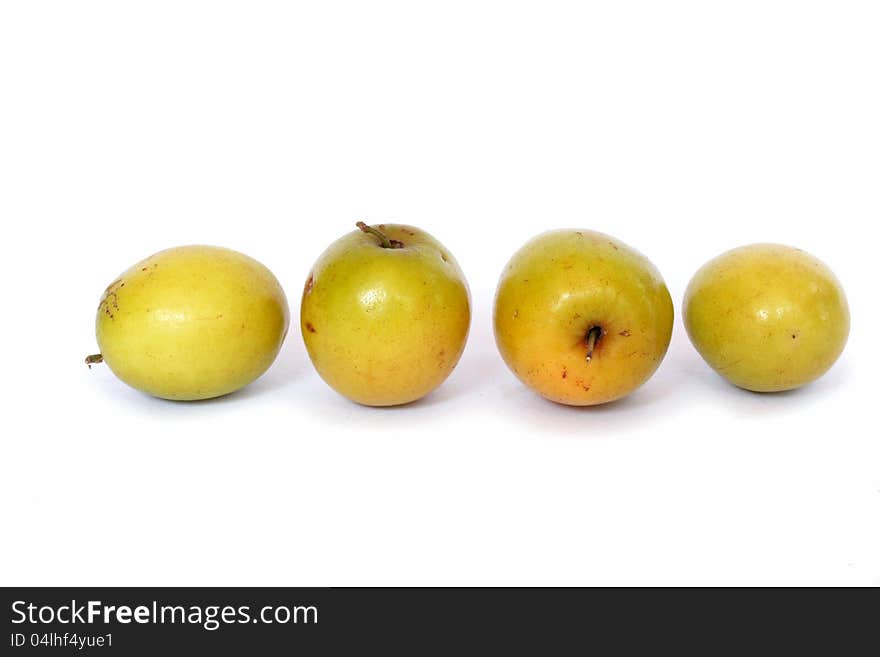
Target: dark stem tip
[{"x": 592, "y": 339}]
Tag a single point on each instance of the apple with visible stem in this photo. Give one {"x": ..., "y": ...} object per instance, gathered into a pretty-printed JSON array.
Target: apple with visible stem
[
  {"x": 192, "y": 322},
  {"x": 767, "y": 317},
  {"x": 581, "y": 318},
  {"x": 385, "y": 314}
]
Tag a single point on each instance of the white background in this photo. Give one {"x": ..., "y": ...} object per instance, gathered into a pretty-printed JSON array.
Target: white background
[{"x": 682, "y": 128}]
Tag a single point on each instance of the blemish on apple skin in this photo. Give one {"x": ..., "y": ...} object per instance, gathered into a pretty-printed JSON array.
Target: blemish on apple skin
[
  {"x": 110, "y": 300},
  {"x": 310, "y": 328},
  {"x": 564, "y": 373},
  {"x": 310, "y": 283},
  {"x": 624, "y": 333},
  {"x": 516, "y": 313}
]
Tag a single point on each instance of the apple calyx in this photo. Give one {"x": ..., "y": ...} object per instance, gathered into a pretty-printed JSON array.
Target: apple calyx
[
  {"x": 384, "y": 241},
  {"x": 592, "y": 339},
  {"x": 94, "y": 359}
]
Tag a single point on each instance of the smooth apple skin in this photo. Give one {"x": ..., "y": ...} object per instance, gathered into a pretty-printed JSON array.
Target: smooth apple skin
[
  {"x": 385, "y": 326},
  {"x": 767, "y": 317},
  {"x": 560, "y": 285},
  {"x": 192, "y": 322}
]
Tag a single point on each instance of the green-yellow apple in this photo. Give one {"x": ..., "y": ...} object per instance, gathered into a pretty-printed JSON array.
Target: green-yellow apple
[
  {"x": 385, "y": 314},
  {"x": 191, "y": 322},
  {"x": 767, "y": 317},
  {"x": 582, "y": 318}
]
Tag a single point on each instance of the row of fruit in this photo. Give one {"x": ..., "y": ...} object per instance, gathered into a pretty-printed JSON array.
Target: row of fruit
[{"x": 579, "y": 317}]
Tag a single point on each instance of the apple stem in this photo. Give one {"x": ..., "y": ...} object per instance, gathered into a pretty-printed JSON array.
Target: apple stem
[
  {"x": 94, "y": 359},
  {"x": 593, "y": 336},
  {"x": 384, "y": 240}
]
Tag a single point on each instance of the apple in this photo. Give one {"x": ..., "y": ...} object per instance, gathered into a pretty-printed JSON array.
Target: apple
[
  {"x": 385, "y": 314},
  {"x": 582, "y": 318},
  {"x": 192, "y": 322},
  {"x": 767, "y": 317}
]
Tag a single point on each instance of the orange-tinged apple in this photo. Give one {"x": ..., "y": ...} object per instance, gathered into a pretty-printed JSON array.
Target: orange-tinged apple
[{"x": 582, "y": 318}]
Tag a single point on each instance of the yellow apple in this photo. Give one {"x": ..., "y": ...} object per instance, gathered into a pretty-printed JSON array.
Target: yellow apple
[
  {"x": 582, "y": 318},
  {"x": 192, "y": 322},
  {"x": 385, "y": 314},
  {"x": 767, "y": 317}
]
